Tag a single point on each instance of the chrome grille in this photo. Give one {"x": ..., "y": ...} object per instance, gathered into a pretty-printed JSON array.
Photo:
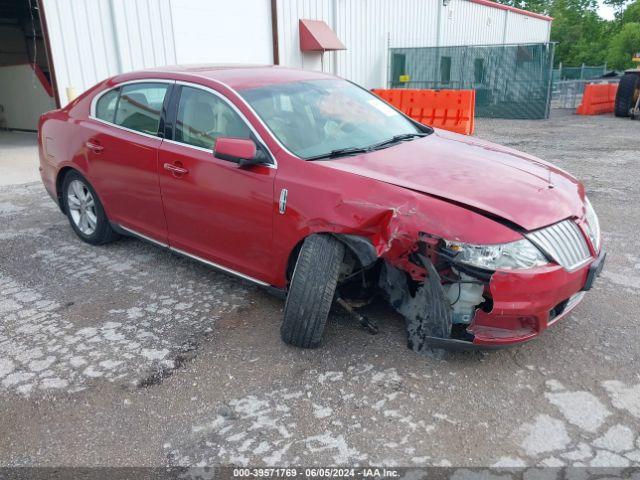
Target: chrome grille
[{"x": 564, "y": 242}]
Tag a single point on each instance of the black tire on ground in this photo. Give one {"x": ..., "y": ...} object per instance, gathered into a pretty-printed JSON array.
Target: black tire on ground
[
  {"x": 311, "y": 291},
  {"x": 103, "y": 233},
  {"x": 626, "y": 94}
]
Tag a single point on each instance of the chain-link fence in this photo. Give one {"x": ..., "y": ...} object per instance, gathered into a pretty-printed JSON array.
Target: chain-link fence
[
  {"x": 511, "y": 81},
  {"x": 568, "y": 93},
  {"x": 585, "y": 72}
]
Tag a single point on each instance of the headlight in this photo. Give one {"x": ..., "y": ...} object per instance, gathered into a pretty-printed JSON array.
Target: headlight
[
  {"x": 593, "y": 225},
  {"x": 513, "y": 255}
]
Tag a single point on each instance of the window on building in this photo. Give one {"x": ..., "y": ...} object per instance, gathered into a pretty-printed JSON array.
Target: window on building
[
  {"x": 140, "y": 105},
  {"x": 203, "y": 117},
  {"x": 106, "y": 106},
  {"x": 398, "y": 67},
  {"x": 445, "y": 69},
  {"x": 524, "y": 54},
  {"x": 478, "y": 70}
]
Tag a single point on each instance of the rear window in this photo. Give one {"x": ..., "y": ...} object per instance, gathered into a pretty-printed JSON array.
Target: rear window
[
  {"x": 106, "y": 106},
  {"x": 140, "y": 105},
  {"x": 135, "y": 106}
]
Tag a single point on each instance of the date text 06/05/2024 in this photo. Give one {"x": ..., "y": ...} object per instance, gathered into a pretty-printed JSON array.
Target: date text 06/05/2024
[{"x": 316, "y": 472}]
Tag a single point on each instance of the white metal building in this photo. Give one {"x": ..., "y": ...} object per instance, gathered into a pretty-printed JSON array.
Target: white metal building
[{"x": 89, "y": 40}]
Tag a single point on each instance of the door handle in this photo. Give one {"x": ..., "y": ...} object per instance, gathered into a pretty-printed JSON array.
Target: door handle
[
  {"x": 175, "y": 169},
  {"x": 94, "y": 146}
]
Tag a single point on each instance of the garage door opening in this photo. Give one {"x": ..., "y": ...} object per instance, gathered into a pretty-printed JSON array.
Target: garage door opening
[{"x": 25, "y": 78}]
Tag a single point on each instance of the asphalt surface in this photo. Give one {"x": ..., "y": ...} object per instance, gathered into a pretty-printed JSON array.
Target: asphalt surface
[{"x": 128, "y": 355}]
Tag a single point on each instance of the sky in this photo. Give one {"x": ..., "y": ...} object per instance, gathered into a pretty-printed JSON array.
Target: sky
[{"x": 605, "y": 11}]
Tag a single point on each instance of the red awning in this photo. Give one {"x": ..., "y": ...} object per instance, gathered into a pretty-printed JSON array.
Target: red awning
[{"x": 317, "y": 36}]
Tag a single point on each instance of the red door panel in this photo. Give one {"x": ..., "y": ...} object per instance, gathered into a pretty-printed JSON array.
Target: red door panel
[
  {"x": 124, "y": 171},
  {"x": 218, "y": 211}
]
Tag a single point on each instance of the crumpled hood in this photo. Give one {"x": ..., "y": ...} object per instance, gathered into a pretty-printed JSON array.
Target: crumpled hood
[{"x": 498, "y": 180}]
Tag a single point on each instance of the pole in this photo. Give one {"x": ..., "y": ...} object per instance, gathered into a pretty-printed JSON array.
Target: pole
[
  {"x": 387, "y": 84},
  {"x": 548, "y": 109}
]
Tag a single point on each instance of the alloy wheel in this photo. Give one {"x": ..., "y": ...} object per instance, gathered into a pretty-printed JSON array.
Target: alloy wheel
[{"x": 82, "y": 207}]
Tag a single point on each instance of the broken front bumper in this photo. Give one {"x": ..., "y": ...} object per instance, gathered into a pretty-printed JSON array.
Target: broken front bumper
[{"x": 525, "y": 303}]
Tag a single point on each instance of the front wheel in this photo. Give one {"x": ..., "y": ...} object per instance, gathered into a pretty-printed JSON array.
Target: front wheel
[
  {"x": 311, "y": 291},
  {"x": 85, "y": 211}
]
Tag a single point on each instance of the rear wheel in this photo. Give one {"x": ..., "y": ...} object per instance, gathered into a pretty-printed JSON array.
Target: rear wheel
[
  {"x": 85, "y": 211},
  {"x": 311, "y": 291},
  {"x": 626, "y": 96}
]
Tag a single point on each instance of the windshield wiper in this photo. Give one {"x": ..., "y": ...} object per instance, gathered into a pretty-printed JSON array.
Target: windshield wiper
[
  {"x": 343, "y": 152},
  {"x": 397, "y": 138},
  {"x": 340, "y": 152}
]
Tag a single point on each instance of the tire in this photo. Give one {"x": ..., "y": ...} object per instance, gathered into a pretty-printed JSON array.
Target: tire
[
  {"x": 80, "y": 202},
  {"x": 311, "y": 291},
  {"x": 626, "y": 93}
]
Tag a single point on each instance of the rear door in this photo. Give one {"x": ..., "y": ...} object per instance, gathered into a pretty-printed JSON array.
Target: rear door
[
  {"x": 122, "y": 148},
  {"x": 215, "y": 210}
]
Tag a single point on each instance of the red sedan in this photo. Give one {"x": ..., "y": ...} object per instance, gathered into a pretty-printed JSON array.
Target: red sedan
[{"x": 315, "y": 188}]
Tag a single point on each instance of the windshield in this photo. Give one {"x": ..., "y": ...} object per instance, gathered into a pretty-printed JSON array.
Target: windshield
[{"x": 316, "y": 118}]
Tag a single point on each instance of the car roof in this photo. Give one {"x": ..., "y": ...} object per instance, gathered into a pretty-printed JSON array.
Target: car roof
[{"x": 238, "y": 77}]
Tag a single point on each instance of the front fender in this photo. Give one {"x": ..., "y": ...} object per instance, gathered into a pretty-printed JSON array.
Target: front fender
[{"x": 391, "y": 218}]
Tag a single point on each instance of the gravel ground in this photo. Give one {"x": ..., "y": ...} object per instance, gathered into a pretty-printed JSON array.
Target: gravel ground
[{"x": 129, "y": 355}]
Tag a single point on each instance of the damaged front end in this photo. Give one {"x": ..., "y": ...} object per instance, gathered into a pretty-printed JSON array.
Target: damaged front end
[
  {"x": 439, "y": 308},
  {"x": 458, "y": 295},
  {"x": 461, "y": 277},
  {"x": 489, "y": 287},
  {"x": 437, "y": 296}
]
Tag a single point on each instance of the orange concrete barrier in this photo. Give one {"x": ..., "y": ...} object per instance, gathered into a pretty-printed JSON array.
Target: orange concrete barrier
[
  {"x": 452, "y": 110},
  {"x": 598, "y": 98}
]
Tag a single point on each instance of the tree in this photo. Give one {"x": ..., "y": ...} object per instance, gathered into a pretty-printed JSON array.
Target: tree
[
  {"x": 538, "y": 6},
  {"x": 579, "y": 31},
  {"x": 617, "y": 4},
  {"x": 631, "y": 13},
  {"x": 582, "y": 36},
  {"x": 623, "y": 45}
]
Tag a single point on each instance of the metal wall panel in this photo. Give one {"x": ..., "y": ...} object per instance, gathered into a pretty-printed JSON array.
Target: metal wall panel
[
  {"x": 369, "y": 27},
  {"x": 137, "y": 35},
  {"x": 208, "y": 31},
  {"x": 525, "y": 29},
  {"x": 366, "y": 27},
  {"x": 365, "y": 47},
  {"x": 467, "y": 23},
  {"x": 289, "y": 14},
  {"x": 91, "y": 41}
]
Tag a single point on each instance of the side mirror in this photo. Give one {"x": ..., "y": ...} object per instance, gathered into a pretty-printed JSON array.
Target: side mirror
[{"x": 242, "y": 151}]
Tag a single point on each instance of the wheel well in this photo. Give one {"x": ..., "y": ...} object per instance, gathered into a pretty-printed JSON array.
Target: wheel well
[
  {"x": 59, "y": 181},
  {"x": 362, "y": 250},
  {"x": 293, "y": 257}
]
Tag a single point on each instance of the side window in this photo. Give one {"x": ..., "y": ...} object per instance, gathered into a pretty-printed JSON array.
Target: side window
[
  {"x": 106, "y": 106},
  {"x": 140, "y": 106},
  {"x": 203, "y": 117}
]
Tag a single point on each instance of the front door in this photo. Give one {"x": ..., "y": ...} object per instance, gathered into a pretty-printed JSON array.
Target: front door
[
  {"x": 122, "y": 148},
  {"x": 215, "y": 210}
]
